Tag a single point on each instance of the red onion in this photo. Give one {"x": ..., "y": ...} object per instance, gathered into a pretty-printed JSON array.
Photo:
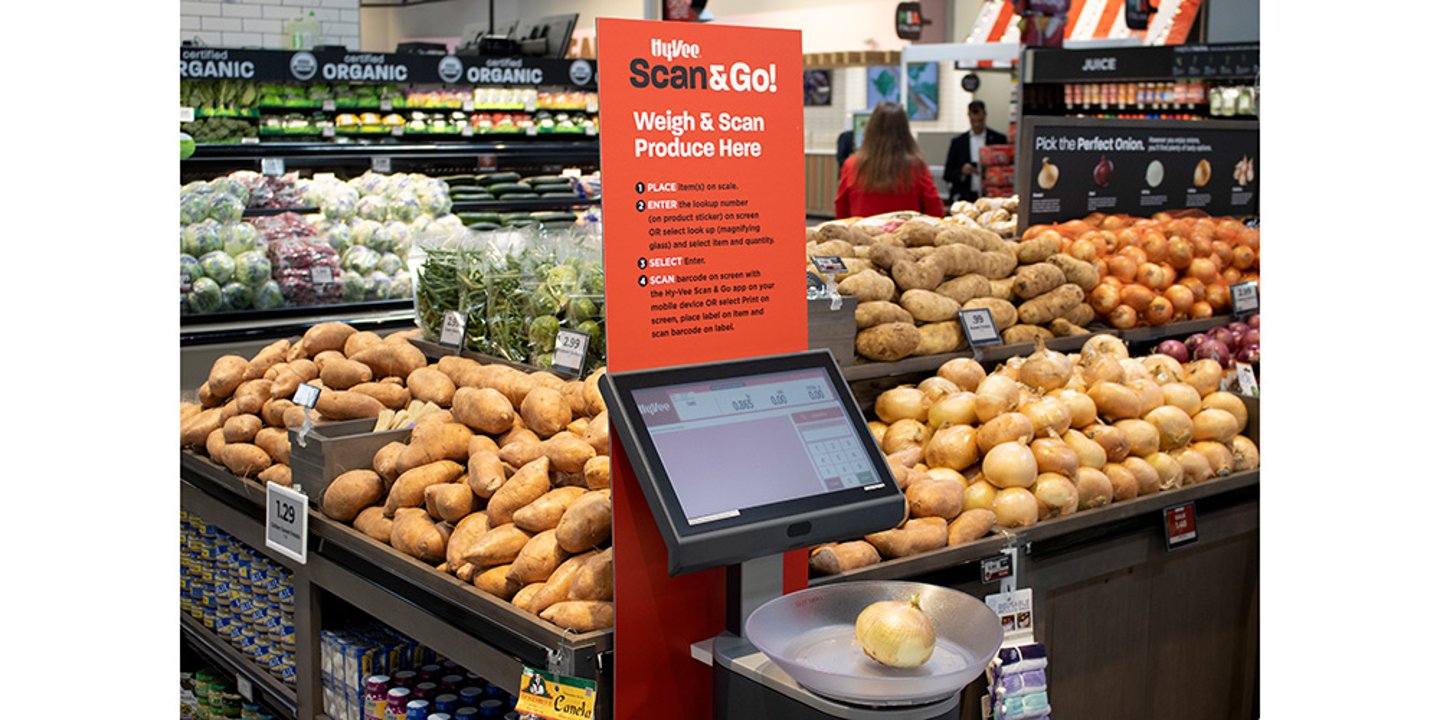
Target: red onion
[
  {"x": 1224, "y": 337},
  {"x": 1249, "y": 354},
  {"x": 1194, "y": 341},
  {"x": 1175, "y": 349},
  {"x": 1254, "y": 322},
  {"x": 1214, "y": 350},
  {"x": 1237, "y": 328},
  {"x": 1250, "y": 337}
]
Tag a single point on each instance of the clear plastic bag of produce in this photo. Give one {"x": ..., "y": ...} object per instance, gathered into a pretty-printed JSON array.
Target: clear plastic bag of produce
[
  {"x": 360, "y": 259},
  {"x": 238, "y": 237},
  {"x": 201, "y": 238},
  {"x": 306, "y": 268},
  {"x": 437, "y": 282},
  {"x": 369, "y": 183},
  {"x": 404, "y": 206},
  {"x": 373, "y": 207},
  {"x": 396, "y": 238}
]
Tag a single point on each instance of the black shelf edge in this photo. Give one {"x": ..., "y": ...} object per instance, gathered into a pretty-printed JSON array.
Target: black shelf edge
[
  {"x": 518, "y": 142},
  {"x": 219, "y": 653},
  {"x": 957, "y": 555},
  {"x": 260, "y": 325},
  {"x": 521, "y": 205}
]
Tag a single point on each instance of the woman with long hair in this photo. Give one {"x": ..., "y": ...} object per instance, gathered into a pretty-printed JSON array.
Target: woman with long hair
[{"x": 887, "y": 174}]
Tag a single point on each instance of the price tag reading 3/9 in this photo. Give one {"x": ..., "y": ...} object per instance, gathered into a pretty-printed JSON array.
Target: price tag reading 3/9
[
  {"x": 287, "y": 520},
  {"x": 306, "y": 395},
  {"x": 452, "y": 329},
  {"x": 828, "y": 264},
  {"x": 979, "y": 327},
  {"x": 570, "y": 349},
  {"x": 273, "y": 167},
  {"x": 1245, "y": 298}
]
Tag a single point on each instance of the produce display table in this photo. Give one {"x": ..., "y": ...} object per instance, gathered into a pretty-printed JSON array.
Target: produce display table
[{"x": 483, "y": 634}]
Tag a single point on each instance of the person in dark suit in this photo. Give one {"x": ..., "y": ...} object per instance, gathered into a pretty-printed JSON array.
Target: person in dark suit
[
  {"x": 962, "y": 163},
  {"x": 844, "y": 148}
]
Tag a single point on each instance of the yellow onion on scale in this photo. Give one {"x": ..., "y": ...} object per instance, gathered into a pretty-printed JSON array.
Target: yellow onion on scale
[{"x": 895, "y": 633}]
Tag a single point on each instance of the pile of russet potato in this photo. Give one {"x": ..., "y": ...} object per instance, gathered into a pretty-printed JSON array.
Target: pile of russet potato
[
  {"x": 506, "y": 486},
  {"x": 1044, "y": 436},
  {"x": 913, "y": 274}
]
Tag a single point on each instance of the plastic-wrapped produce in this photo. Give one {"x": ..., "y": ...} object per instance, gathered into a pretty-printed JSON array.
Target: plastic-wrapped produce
[
  {"x": 194, "y": 204},
  {"x": 269, "y": 297},
  {"x": 369, "y": 183},
  {"x": 231, "y": 186},
  {"x": 204, "y": 296},
  {"x": 401, "y": 285},
  {"x": 352, "y": 286},
  {"x": 382, "y": 239},
  {"x": 339, "y": 206},
  {"x": 189, "y": 269},
  {"x": 238, "y": 237},
  {"x": 338, "y": 236},
  {"x": 218, "y": 266},
  {"x": 404, "y": 206},
  {"x": 399, "y": 238},
  {"x": 360, "y": 259},
  {"x": 434, "y": 201},
  {"x": 235, "y": 296},
  {"x": 306, "y": 269},
  {"x": 252, "y": 268},
  {"x": 373, "y": 207},
  {"x": 378, "y": 287},
  {"x": 401, "y": 183},
  {"x": 390, "y": 263},
  {"x": 201, "y": 238},
  {"x": 362, "y": 230},
  {"x": 225, "y": 208}
]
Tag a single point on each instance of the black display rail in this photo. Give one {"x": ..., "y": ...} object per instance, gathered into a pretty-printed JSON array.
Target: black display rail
[
  {"x": 1228, "y": 61},
  {"x": 541, "y": 156},
  {"x": 483, "y": 634},
  {"x": 253, "y": 325},
  {"x": 478, "y": 206}
]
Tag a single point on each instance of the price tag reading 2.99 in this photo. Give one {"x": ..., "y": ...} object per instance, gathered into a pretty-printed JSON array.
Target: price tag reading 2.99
[{"x": 570, "y": 349}]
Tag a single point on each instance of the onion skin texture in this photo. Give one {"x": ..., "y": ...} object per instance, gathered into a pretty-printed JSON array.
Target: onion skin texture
[
  {"x": 996, "y": 395},
  {"x": 1150, "y": 394},
  {"x": 1141, "y": 437},
  {"x": 937, "y": 387},
  {"x": 896, "y": 634},
  {"x": 1010, "y": 465},
  {"x": 1053, "y": 455},
  {"x": 1115, "y": 401},
  {"x": 966, "y": 373},
  {"x": 1220, "y": 457},
  {"x": 906, "y": 433},
  {"x": 1123, "y": 482},
  {"x": 1216, "y": 425},
  {"x": 1230, "y": 403},
  {"x": 1049, "y": 416},
  {"x": 1045, "y": 370},
  {"x": 1171, "y": 475},
  {"x": 1204, "y": 376},
  {"x": 1091, "y": 453},
  {"x": 1173, "y": 427},
  {"x": 953, "y": 447},
  {"x": 959, "y": 409},
  {"x": 900, "y": 403},
  {"x": 1182, "y": 396},
  {"x": 1009, "y": 427},
  {"x": 1247, "y": 455},
  {"x": 1194, "y": 466},
  {"x": 1094, "y": 488},
  {"x": 1016, "y": 507},
  {"x": 1146, "y": 476},
  {"x": 1082, "y": 408},
  {"x": 1111, "y": 440},
  {"x": 1056, "y": 495},
  {"x": 878, "y": 429},
  {"x": 979, "y": 495}
]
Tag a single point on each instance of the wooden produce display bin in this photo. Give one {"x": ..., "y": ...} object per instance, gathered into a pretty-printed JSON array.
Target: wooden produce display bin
[{"x": 335, "y": 448}]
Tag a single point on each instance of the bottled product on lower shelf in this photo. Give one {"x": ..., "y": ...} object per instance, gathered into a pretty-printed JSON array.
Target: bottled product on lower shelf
[
  {"x": 207, "y": 695},
  {"x": 246, "y": 599},
  {"x": 371, "y": 672}
]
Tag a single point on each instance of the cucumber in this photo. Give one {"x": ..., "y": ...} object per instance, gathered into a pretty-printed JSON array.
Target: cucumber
[
  {"x": 552, "y": 187},
  {"x": 521, "y": 223},
  {"x": 553, "y": 216},
  {"x": 558, "y": 195},
  {"x": 505, "y": 218},
  {"x": 486, "y": 197},
  {"x": 548, "y": 180},
  {"x": 519, "y": 196},
  {"x": 483, "y": 226},
  {"x": 499, "y": 189},
  {"x": 455, "y": 181},
  {"x": 492, "y": 178},
  {"x": 478, "y": 217}
]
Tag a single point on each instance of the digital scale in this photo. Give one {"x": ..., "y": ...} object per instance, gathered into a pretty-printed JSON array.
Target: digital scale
[{"x": 743, "y": 460}]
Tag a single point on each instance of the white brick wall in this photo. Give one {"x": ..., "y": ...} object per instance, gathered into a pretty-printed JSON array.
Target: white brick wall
[{"x": 261, "y": 22}]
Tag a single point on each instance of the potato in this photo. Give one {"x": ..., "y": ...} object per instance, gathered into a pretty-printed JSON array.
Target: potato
[
  {"x": 207, "y": 397},
  {"x": 546, "y": 412},
  {"x": 325, "y": 337},
  {"x": 215, "y": 443},
  {"x": 359, "y": 341},
  {"x": 430, "y": 385},
  {"x": 870, "y": 314},
  {"x": 524, "y": 487},
  {"x": 962, "y": 289},
  {"x": 350, "y": 493},
  {"x": 970, "y": 525},
  {"x": 240, "y": 429},
  {"x": 1076, "y": 271},
  {"x": 416, "y": 535},
  {"x": 244, "y": 459},
  {"x": 914, "y": 536},
  {"x": 592, "y": 392},
  {"x": 1081, "y": 315},
  {"x": 959, "y": 260},
  {"x": 597, "y": 472},
  {"x": 939, "y": 337},
  {"x": 917, "y": 231},
  {"x": 384, "y": 462},
  {"x": 538, "y": 559},
  {"x": 484, "y": 410},
  {"x": 868, "y": 286},
  {"x": 1003, "y": 312},
  {"x": 597, "y": 433},
  {"x": 499, "y": 545},
  {"x": 464, "y": 572},
  {"x": 581, "y": 615},
  {"x": 1038, "y": 250},
  {"x": 568, "y": 453},
  {"x": 409, "y": 489},
  {"x": 976, "y": 237},
  {"x": 403, "y": 337},
  {"x": 392, "y": 358},
  {"x": 275, "y": 442},
  {"x": 887, "y": 342},
  {"x": 935, "y": 498},
  {"x": 511, "y": 383},
  {"x": 545, "y": 512},
  {"x": 455, "y": 367},
  {"x": 432, "y": 441},
  {"x": 1051, "y": 305},
  {"x": 226, "y": 374},
  {"x": 449, "y": 501},
  {"x": 229, "y": 410},
  {"x": 586, "y": 523},
  {"x": 595, "y": 580},
  {"x": 835, "y": 558},
  {"x": 188, "y": 411},
  {"x": 273, "y": 412},
  {"x": 1003, "y": 289},
  {"x": 373, "y": 522},
  {"x": 1024, "y": 334},
  {"x": 997, "y": 264},
  {"x": 250, "y": 397},
  {"x": 346, "y": 405},
  {"x": 268, "y": 357},
  {"x": 522, "y": 450},
  {"x": 886, "y": 256},
  {"x": 344, "y": 374},
  {"x": 294, "y": 416},
  {"x": 288, "y": 380},
  {"x": 1036, "y": 280},
  {"x": 497, "y": 582},
  {"x": 467, "y": 531},
  {"x": 278, "y": 474},
  {"x": 927, "y": 306},
  {"x": 923, "y": 275},
  {"x": 391, "y": 395}
]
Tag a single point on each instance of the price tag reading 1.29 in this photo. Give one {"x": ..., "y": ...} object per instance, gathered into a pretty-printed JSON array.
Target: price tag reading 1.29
[
  {"x": 1245, "y": 298},
  {"x": 570, "y": 349},
  {"x": 979, "y": 327},
  {"x": 287, "y": 521}
]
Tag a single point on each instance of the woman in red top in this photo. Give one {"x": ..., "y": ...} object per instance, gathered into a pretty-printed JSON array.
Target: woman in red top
[{"x": 887, "y": 174}]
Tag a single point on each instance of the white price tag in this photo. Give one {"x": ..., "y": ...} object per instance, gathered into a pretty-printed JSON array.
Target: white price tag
[
  {"x": 380, "y": 163},
  {"x": 590, "y": 130},
  {"x": 306, "y": 395},
  {"x": 529, "y": 104},
  {"x": 570, "y": 349},
  {"x": 1245, "y": 376},
  {"x": 386, "y": 105},
  {"x": 322, "y": 274},
  {"x": 274, "y": 167},
  {"x": 467, "y": 130},
  {"x": 287, "y": 521},
  {"x": 327, "y": 105},
  {"x": 570, "y": 173},
  {"x": 250, "y": 141},
  {"x": 397, "y": 130},
  {"x": 532, "y": 131},
  {"x": 452, "y": 329},
  {"x": 468, "y": 105},
  {"x": 245, "y": 688},
  {"x": 592, "y": 106},
  {"x": 979, "y": 327},
  {"x": 1244, "y": 298},
  {"x": 327, "y": 131},
  {"x": 187, "y": 114}
]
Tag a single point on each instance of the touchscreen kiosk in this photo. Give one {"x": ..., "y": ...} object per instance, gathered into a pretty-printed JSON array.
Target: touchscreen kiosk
[{"x": 747, "y": 458}]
